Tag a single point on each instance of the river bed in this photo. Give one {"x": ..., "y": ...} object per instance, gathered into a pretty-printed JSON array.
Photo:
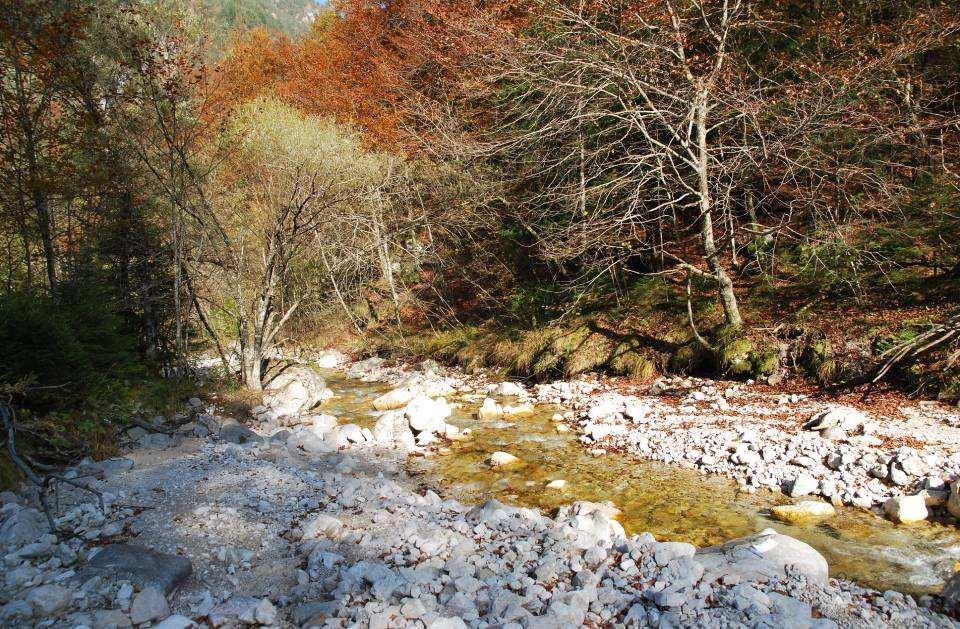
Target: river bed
[{"x": 672, "y": 503}]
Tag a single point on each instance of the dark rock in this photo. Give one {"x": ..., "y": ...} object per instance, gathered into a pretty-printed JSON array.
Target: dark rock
[
  {"x": 238, "y": 433},
  {"x": 951, "y": 594},
  {"x": 303, "y": 612},
  {"x": 105, "y": 469},
  {"x": 140, "y": 565}
]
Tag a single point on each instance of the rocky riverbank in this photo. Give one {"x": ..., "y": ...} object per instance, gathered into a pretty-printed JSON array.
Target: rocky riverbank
[
  {"x": 906, "y": 467},
  {"x": 300, "y": 520}
]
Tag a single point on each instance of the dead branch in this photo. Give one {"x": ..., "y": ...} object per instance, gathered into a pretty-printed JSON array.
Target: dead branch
[{"x": 45, "y": 482}]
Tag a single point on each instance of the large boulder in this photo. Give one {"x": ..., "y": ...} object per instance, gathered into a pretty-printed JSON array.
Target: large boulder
[
  {"x": 140, "y": 565},
  {"x": 295, "y": 391},
  {"x": 766, "y": 553},
  {"x": 426, "y": 414}
]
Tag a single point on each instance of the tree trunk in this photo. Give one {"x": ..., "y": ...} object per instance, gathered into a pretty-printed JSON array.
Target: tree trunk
[{"x": 731, "y": 309}]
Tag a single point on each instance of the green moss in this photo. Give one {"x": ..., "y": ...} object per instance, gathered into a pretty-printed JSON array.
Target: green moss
[
  {"x": 628, "y": 360},
  {"x": 950, "y": 391},
  {"x": 591, "y": 354},
  {"x": 9, "y": 474},
  {"x": 818, "y": 361},
  {"x": 733, "y": 352},
  {"x": 765, "y": 362}
]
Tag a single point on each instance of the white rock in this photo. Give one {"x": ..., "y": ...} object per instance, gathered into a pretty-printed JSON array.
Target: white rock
[
  {"x": 330, "y": 359},
  {"x": 392, "y": 430},
  {"x": 322, "y": 424},
  {"x": 263, "y": 613},
  {"x": 557, "y": 484},
  {"x": 23, "y": 527},
  {"x": 447, "y": 623},
  {"x": 510, "y": 389},
  {"x": 518, "y": 409},
  {"x": 427, "y": 415},
  {"x": 802, "y": 485},
  {"x": 397, "y": 398},
  {"x": 175, "y": 622},
  {"x": 489, "y": 409},
  {"x": 295, "y": 391},
  {"x": 502, "y": 459},
  {"x": 740, "y": 556},
  {"x": 846, "y": 418},
  {"x": 906, "y": 509},
  {"x": 636, "y": 410},
  {"x": 321, "y": 525}
]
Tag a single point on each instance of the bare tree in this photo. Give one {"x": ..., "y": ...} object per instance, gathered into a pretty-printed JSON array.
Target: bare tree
[{"x": 633, "y": 127}]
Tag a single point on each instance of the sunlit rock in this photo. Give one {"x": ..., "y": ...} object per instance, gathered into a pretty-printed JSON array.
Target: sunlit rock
[
  {"x": 906, "y": 509},
  {"x": 844, "y": 417},
  {"x": 295, "y": 391},
  {"x": 502, "y": 459},
  {"x": 764, "y": 555},
  {"x": 801, "y": 512},
  {"x": 489, "y": 409},
  {"x": 397, "y": 398},
  {"x": 518, "y": 409},
  {"x": 426, "y": 414},
  {"x": 330, "y": 359}
]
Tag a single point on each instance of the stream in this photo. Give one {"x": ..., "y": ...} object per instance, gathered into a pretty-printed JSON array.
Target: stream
[{"x": 672, "y": 503}]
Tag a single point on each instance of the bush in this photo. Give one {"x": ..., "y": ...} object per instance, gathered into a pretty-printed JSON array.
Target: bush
[{"x": 69, "y": 351}]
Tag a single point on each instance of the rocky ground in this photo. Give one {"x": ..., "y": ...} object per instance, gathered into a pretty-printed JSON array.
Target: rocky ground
[{"x": 302, "y": 519}]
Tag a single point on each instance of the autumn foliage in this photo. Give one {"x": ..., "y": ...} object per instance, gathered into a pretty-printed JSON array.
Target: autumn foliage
[{"x": 369, "y": 64}]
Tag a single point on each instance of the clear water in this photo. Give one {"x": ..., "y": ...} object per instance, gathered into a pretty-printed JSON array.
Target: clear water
[{"x": 674, "y": 504}]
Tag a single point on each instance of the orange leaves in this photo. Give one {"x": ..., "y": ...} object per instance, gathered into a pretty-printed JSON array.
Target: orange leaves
[
  {"x": 367, "y": 63},
  {"x": 257, "y": 63}
]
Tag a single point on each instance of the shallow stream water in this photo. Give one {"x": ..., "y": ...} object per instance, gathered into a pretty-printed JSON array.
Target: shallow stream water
[{"x": 672, "y": 503}]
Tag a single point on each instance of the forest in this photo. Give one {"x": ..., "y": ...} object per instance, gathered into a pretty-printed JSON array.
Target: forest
[
  {"x": 744, "y": 189},
  {"x": 479, "y": 313}
]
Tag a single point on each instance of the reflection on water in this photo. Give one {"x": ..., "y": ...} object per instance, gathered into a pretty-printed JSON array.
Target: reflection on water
[{"x": 673, "y": 504}]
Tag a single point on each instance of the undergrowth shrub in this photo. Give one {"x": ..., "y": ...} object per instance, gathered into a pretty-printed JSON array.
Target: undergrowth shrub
[{"x": 73, "y": 373}]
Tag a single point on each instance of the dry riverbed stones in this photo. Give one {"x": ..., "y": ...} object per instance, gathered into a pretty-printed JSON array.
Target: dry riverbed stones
[{"x": 280, "y": 536}]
